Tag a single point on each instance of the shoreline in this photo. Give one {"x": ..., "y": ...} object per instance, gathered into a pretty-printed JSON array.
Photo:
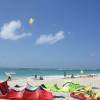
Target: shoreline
[{"x": 15, "y": 77}]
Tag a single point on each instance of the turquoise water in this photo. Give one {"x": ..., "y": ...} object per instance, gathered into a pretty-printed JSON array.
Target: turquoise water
[{"x": 25, "y": 72}]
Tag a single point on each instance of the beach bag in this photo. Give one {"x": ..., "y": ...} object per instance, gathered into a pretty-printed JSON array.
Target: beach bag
[
  {"x": 45, "y": 95},
  {"x": 4, "y": 87}
]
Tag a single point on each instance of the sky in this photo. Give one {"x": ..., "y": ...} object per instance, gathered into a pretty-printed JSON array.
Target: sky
[{"x": 64, "y": 33}]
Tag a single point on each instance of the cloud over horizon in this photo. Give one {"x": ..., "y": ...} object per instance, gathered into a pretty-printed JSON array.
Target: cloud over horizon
[
  {"x": 12, "y": 31},
  {"x": 50, "y": 39}
]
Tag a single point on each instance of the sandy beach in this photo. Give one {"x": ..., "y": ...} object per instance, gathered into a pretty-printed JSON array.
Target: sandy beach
[{"x": 93, "y": 81}]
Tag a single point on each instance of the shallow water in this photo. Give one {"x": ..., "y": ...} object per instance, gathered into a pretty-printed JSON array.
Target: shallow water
[{"x": 26, "y": 72}]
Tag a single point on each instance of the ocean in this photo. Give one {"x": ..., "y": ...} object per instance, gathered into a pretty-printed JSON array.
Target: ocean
[{"x": 27, "y": 72}]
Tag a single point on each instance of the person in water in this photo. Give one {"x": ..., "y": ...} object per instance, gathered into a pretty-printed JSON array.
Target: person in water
[{"x": 64, "y": 74}]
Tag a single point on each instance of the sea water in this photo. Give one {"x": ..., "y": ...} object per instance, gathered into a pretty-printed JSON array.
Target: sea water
[{"x": 27, "y": 72}]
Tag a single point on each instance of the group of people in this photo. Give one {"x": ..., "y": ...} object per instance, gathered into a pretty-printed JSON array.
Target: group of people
[
  {"x": 65, "y": 75},
  {"x": 36, "y": 77}
]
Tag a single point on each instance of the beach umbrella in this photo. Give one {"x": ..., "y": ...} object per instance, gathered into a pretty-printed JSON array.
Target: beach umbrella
[
  {"x": 20, "y": 83},
  {"x": 45, "y": 95},
  {"x": 32, "y": 91},
  {"x": 81, "y": 72},
  {"x": 31, "y": 94},
  {"x": 15, "y": 95}
]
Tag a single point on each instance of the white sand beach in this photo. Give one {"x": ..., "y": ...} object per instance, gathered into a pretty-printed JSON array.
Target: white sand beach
[{"x": 93, "y": 81}]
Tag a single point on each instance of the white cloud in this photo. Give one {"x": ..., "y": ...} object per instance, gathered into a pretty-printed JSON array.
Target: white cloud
[
  {"x": 12, "y": 31},
  {"x": 50, "y": 39}
]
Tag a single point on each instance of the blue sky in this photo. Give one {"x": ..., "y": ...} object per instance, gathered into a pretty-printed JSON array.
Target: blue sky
[{"x": 65, "y": 33}]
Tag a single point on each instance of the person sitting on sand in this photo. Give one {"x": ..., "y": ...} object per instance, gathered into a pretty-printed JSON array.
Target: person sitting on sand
[
  {"x": 41, "y": 78},
  {"x": 72, "y": 76}
]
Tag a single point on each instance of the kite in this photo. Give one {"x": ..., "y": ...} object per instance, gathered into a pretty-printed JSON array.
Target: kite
[{"x": 31, "y": 20}]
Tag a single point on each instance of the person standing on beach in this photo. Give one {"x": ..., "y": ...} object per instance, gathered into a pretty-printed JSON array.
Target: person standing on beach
[
  {"x": 64, "y": 74},
  {"x": 35, "y": 76},
  {"x": 9, "y": 78},
  {"x": 72, "y": 76}
]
